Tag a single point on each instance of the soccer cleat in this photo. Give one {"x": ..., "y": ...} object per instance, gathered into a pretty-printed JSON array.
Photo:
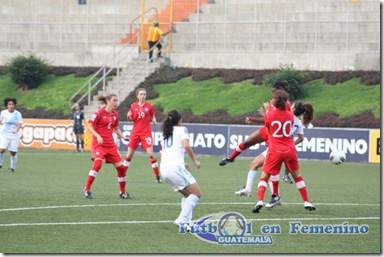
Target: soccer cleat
[
  {"x": 308, "y": 206},
  {"x": 1, "y": 166},
  {"x": 13, "y": 170},
  {"x": 158, "y": 179},
  {"x": 258, "y": 207},
  {"x": 125, "y": 195},
  {"x": 87, "y": 194},
  {"x": 275, "y": 200},
  {"x": 82, "y": 150},
  {"x": 287, "y": 179},
  {"x": 176, "y": 221},
  {"x": 242, "y": 192},
  {"x": 224, "y": 161}
]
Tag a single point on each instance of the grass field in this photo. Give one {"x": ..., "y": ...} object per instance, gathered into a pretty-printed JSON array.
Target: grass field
[{"x": 43, "y": 210}]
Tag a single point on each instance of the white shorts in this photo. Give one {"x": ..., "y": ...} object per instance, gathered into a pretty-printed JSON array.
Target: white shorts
[
  {"x": 9, "y": 144},
  {"x": 177, "y": 176}
]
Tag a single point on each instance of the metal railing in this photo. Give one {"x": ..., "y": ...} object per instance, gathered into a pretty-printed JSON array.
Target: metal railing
[{"x": 115, "y": 63}]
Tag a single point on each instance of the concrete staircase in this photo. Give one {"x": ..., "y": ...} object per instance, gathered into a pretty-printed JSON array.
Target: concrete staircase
[{"x": 137, "y": 70}]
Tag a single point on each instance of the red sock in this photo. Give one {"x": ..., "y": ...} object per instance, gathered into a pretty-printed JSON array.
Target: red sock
[
  {"x": 239, "y": 149},
  {"x": 300, "y": 184},
  {"x": 155, "y": 167},
  {"x": 262, "y": 186},
  {"x": 121, "y": 178},
  {"x": 93, "y": 173}
]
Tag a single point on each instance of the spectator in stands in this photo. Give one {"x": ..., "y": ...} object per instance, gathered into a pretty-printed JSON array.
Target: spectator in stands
[{"x": 154, "y": 36}]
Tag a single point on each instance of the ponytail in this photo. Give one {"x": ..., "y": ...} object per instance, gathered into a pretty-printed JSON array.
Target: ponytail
[{"x": 171, "y": 120}]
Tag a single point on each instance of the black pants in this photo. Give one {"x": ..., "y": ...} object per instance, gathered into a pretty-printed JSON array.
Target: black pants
[{"x": 151, "y": 44}]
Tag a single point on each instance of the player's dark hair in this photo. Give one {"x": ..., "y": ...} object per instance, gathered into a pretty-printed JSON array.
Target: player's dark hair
[
  {"x": 172, "y": 119},
  {"x": 305, "y": 109},
  {"x": 7, "y": 100},
  {"x": 281, "y": 97},
  {"x": 280, "y": 85}
]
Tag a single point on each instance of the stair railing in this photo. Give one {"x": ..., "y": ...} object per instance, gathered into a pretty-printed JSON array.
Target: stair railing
[{"x": 103, "y": 72}]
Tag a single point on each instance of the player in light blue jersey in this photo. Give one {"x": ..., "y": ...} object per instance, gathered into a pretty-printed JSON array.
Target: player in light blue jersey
[
  {"x": 174, "y": 170},
  {"x": 11, "y": 121}
]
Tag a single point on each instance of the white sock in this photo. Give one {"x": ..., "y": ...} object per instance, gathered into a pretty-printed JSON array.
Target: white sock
[
  {"x": 13, "y": 161},
  {"x": 183, "y": 200},
  {"x": 270, "y": 186},
  {"x": 273, "y": 178},
  {"x": 252, "y": 175},
  {"x": 189, "y": 205},
  {"x": 1, "y": 159}
]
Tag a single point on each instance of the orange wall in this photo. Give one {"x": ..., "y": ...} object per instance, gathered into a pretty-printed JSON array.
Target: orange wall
[{"x": 53, "y": 134}]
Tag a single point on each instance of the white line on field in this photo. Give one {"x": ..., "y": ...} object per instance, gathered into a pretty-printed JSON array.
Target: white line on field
[
  {"x": 169, "y": 221},
  {"x": 172, "y": 204}
]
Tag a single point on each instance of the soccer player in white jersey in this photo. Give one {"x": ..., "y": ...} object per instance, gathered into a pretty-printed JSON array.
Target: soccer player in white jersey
[
  {"x": 174, "y": 170},
  {"x": 11, "y": 121}
]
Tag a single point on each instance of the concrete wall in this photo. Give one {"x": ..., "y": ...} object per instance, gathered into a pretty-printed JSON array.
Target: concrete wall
[{"x": 252, "y": 34}]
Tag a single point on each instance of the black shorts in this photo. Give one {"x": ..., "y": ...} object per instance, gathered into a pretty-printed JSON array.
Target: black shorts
[{"x": 78, "y": 130}]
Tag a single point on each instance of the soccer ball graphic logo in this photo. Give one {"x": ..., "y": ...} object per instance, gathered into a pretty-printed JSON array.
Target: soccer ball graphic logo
[
  {"x": 337, "y": 157},
  {"x": 232, "y": 225}
]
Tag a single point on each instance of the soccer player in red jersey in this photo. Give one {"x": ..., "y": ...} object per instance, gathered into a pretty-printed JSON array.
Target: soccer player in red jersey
[
  {"x": 102, "y": 125},
  {"x": 142, "y": 113},
  {"x": 258, "y": 136},
  {"x": 281, "y": 149}
]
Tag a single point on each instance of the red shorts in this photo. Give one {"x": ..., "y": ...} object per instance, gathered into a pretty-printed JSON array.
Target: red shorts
[
  {"x": 274, "y": 160},
  {"x": 145, "y": 140},
  {"x": 110, "y": 154}
]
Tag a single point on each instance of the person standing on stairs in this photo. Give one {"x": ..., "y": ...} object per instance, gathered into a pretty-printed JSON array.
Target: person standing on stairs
[
  {"x": 142, "y": 113},
  {"x": 154, "y": 35}
]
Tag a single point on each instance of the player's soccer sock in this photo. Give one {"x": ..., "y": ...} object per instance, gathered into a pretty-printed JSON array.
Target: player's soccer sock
[
  {"x": 121, "y": 178},
  {"x": 77, "y": 144},
  {"x": 155, "y": 167},
  {"x": 262, "y": 186},
  {"x": 286, "y": 172},
  {"x": 13, "y": 161},
  {"x": 93, "y": 173},
  {"x": 189, "y": 205},
  {"x": 275, "y": 184},
  {"x": 82, "y": 143},
  {"x": 239, "y": 149},
  {"x": 252, "y": 175},
  {"x": 300, "y": 184},
  {"x": 183, "y": 200},
  {"x": 1, "y": 159},
  {"x": 270, "y": 186},
  {"x": 127, "y": 162}
]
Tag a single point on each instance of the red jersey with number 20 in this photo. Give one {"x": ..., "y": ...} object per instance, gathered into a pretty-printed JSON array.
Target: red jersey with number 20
[
  {"x": 279, "y": 123},
  {"x": 141, "y": 116},
  {"x": 104, "y": 124}
]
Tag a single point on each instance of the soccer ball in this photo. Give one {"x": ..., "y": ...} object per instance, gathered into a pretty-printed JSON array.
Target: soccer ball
[{"x": 337, "y": 157}]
